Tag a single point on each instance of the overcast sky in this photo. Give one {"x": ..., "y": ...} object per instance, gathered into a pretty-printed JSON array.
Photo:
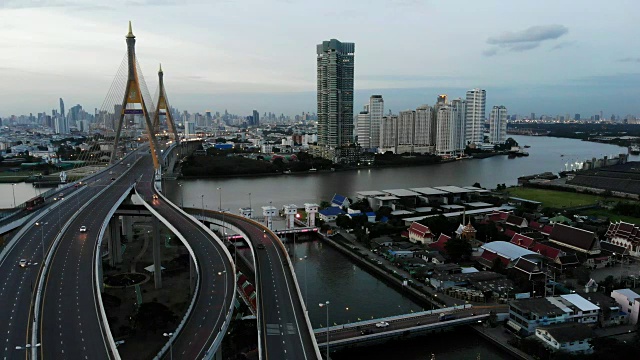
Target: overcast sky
[{"x": 543, "y": 56}]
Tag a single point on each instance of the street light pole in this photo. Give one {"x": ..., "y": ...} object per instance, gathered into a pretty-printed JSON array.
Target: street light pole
[
  {"x": 13, "y": 188},
  {"x": 28, "y": 349},
  {"x": 202, "y": 199},
  {"x": 41, "y": 225},
  {"x": 306, "y": 286},
  {"x": 170, "y": 344},
  {"x": 326, "y": 305},
  {"x": 250, "y": 202}
]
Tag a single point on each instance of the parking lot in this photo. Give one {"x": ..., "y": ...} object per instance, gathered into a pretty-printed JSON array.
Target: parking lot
[{"x": 617, "y": 271}]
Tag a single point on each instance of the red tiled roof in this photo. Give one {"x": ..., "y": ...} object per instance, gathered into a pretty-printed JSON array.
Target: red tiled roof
[
  {"x": 509, "y": 232},
  {"x": 439, "y": 244},
  {"x": 515, "y": 221},
  {"x": 498, "y": 216},
  {"x": 574, "y": 237},
  {"x": 536, "y": 225},
  {"x": 547, "y": 229},
  {"x": 522, "y": 241},
  {"x": 546, "y": 250},
  {"x": 489, "y": 257},
  {"x": 420, "y": 230}
]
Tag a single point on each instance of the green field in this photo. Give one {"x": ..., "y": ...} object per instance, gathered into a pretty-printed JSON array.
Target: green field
[{"x": 553, "y": 198}]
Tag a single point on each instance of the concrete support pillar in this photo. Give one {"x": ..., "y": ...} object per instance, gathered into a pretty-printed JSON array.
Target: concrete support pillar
[
  {"x": 157, "y": 255},
  {"x": 127, "y": 227},
  {"x": 114, "y": 244},
  {"x": 269, "y": 212},
  {"x": 290, "y": 212},
  {"x": 311, "y": 210}
]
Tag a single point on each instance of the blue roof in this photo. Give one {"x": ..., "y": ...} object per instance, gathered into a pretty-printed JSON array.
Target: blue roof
[
  {"x": 371, "y": 213},
  {"x": 331, "y": 211},
  {"x": 338, "y": 199}
]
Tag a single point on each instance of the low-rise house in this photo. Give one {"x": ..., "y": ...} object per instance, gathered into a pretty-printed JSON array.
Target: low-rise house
[
  {"x": 419, "y": 233},
  {"x": 578, "y": 308},
  {"x": 340, "y": 201},
  {"x": 330, "y": 214},
  {"x": 525, "y": 315},
  {"x": 382, "y": 241},
  {"x": 629, "y": 302},
  {"x": 570, "y": 337}
]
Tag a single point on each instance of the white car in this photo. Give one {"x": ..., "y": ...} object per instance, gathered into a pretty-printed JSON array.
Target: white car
[
  {"x": 382, "y": 324},
  {"x": 83, "y": 228},
  {"x": 23, "y": 262}
]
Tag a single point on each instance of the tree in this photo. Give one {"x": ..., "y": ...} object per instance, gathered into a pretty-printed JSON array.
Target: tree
[
  {"x": 477, "y": 184},
  {"x": 344, "y": 222},
  {"x": 498, "y": 266},
  {"x": 458, "y": 248},
  {"x": 383, "y": 211}
]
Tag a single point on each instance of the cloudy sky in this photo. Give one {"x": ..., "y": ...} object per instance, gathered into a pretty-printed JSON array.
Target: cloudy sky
[{"x": 543, "y": 56}]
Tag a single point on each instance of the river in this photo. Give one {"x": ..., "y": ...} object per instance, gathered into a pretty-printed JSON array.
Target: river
[{"x": 545, "y": 155}]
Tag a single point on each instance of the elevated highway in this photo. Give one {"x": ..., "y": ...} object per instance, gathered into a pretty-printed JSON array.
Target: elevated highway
[
  {"x": 32, "y": 242},
  {"x": 72, "y": 325},
  {"x": 283, "y": 325}
]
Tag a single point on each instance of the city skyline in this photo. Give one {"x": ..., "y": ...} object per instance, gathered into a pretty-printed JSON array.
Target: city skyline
[{"x": 566, "y": 61}]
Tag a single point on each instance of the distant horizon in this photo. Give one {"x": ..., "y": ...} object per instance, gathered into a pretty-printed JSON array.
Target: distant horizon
[{"x": 396, "y": 99}]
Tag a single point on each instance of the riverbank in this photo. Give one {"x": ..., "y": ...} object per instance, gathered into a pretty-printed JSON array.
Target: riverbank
[
  {"x": 422, "y": 297},
  {"x": 498, "y": 337},
  {"x": 325, "y": 171}
]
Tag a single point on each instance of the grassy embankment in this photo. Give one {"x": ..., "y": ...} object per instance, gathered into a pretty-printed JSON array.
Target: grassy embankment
[{"x": 560, "y": 199}]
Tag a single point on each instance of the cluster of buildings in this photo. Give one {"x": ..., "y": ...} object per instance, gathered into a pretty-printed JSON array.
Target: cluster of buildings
[
  {"x": 538, "y": 250},
  {"x": 445, "y": 128}
]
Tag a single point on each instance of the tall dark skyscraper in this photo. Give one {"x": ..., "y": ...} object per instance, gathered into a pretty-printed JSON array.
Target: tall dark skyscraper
[
  {"x": 62, "y": 108},
  {"x": 256, "y": 118},
  {"x": 335, "y": 70}
]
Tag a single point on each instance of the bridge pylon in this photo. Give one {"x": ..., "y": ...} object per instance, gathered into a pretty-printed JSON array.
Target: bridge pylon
[
  {"x": 163, "y": 108},
  {"x": 133, "y": 102}
]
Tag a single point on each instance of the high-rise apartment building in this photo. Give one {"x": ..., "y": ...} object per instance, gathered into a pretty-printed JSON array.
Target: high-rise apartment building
[
  {"x": 498, "y": 125},
  {"x": 458, "y": 117},
  {"x": 445, "y": 131},
  {"x": 475, "y": 110},
  {"x": 405, "y": 131},
  {"x": 335, "y": 71},
  {"x": 368, "y": 123},
  {"x": 424, "y": 129},
  {"x": 388, "y": 133},
  {"x": 376, "y": 111}
]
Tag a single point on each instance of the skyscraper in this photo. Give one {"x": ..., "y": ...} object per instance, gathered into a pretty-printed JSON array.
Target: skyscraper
[
  {"x": 335, "y": 70},
  {"x": 256, "y": 118},
  {"x": 498, "y": 125},
  {"x": 474, "y": 122},
  {"x": 62, "y": 107}
]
